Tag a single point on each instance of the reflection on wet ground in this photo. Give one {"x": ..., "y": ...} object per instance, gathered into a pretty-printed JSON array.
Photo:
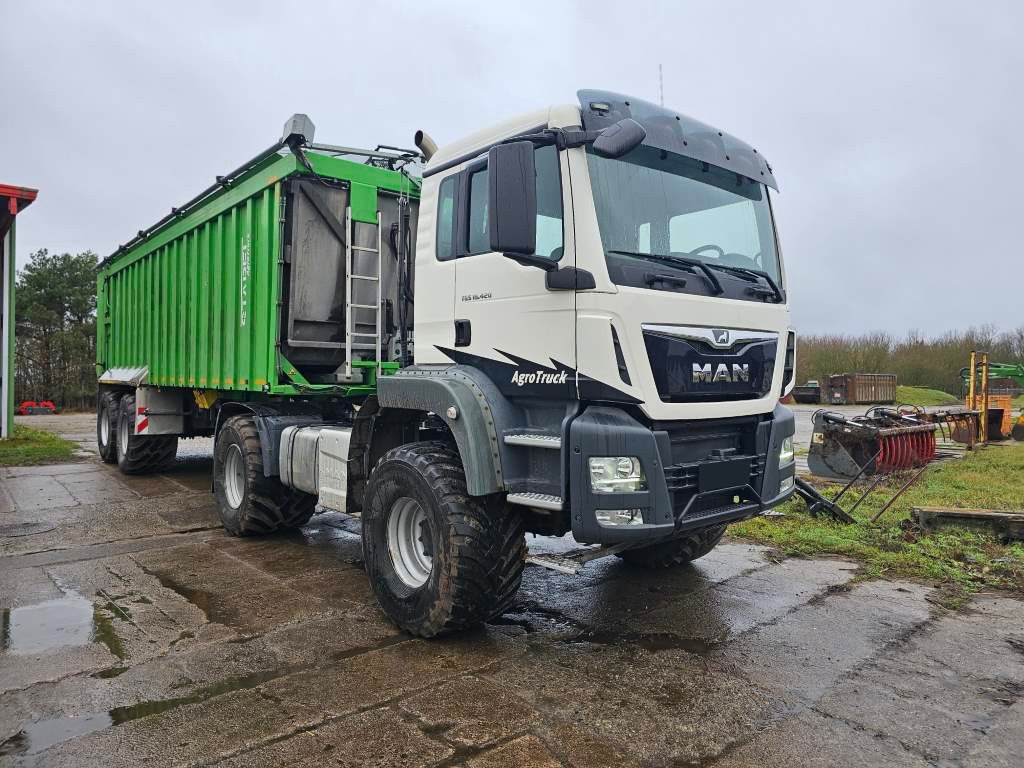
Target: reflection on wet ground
[
  {"x": 50, "y": 624},
  {"x": 136, "y": 632}
]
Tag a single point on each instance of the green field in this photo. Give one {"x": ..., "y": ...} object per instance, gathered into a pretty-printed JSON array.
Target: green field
[
  {"x": 961, "y": 561},
  {"x": 33, "y": 446},
  {"x": 924, "y": 396}
]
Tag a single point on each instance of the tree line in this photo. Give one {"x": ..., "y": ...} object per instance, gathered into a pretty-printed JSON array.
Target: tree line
[
  {"x": 55, "y": 330},
  {"x": 916, "y": 360}
]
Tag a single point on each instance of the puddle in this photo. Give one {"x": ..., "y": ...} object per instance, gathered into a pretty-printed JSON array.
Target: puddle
[
  {"x": 202, "y": 600},
  {"x": 43, "y": 734},
  {"x": 68, "y": 621},
  {"x": 65, "y": 621}
]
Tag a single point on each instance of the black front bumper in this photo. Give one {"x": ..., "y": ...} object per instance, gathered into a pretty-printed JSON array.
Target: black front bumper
[{"x": 699, "y": 473}]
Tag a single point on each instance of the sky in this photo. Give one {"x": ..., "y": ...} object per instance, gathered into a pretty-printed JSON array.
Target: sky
[{"x": 894, "y": 128}]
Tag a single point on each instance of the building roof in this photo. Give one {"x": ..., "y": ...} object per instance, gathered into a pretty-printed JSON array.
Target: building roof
[{"x": 13, "y": 200}]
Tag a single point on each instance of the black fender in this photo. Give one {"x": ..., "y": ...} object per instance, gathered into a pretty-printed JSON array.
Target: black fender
[{"x": 467, "y": 406}]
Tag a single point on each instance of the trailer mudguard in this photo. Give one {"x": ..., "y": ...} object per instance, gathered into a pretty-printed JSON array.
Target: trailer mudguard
[{"x": 470, "y": 411}]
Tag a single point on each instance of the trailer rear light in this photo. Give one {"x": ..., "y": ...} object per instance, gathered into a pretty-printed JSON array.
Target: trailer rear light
[
  {"x": 616, "y": 474},
  {"x": 789, "y": 369},
  {"x": 620, "y": 517}
]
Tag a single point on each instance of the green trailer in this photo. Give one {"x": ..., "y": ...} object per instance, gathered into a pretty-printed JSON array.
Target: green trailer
[{"x": 278, "y": 290}]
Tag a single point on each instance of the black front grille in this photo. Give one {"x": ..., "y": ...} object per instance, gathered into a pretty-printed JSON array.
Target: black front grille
[{"x": 691, "y": 371}]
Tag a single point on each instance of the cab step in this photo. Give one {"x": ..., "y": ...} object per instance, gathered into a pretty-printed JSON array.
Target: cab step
[
  {"x": 534, "y": 440},
  {"x": 537, "y": 501}
]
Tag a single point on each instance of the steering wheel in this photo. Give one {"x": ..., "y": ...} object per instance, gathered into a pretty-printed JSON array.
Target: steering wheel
[{"x": 708, "y": 247}]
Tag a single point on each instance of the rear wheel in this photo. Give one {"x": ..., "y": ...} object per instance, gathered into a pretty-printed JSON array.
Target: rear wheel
[
  {"x": 250, "y": 503},
  {"x": 140, "y": 454},
  {"x": 675, "y": 551},
  {"x": 108, "y": 409},
  {"x": 439, "y": 559}
]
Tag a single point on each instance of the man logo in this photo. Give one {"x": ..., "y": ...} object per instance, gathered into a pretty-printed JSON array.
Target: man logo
[
  {"x": 721, "y": 336},
  {"x": 703, "y": 374}
]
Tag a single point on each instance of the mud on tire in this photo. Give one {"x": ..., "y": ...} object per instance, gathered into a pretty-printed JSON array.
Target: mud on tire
[
  {"x": 477, "y": 544},
  {"x": 108, "y": 410},
  {"x": 140, "y": 454},
  {"x": 675, "y": 551},
  {"x": 249, "y": 503}
]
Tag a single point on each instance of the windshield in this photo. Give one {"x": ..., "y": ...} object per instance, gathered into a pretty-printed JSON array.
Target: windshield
[{"x": 655, "y": 202}]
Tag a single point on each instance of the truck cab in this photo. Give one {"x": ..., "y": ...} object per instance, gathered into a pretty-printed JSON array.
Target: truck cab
[{"x": 623, "y": 313}]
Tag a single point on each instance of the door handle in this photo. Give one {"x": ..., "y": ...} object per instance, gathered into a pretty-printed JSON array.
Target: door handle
[{"x": 463, "y": 333}]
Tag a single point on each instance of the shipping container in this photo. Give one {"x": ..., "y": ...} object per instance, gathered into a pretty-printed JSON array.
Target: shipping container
[
  {"x": 862, "y": 388},
  {"x": 245, "y": 290}
]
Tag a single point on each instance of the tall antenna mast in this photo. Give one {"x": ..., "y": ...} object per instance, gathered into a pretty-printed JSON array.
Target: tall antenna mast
[{"x": 661, "y": 86}]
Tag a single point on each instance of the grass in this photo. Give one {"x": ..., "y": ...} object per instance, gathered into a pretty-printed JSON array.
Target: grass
[
  {"x": 923, "y": 396},
  {"x": 959, "y": 560},
  {"x": 33, "y": 446}
]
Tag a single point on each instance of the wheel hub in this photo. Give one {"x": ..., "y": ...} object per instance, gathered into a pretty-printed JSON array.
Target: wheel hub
[
  {"x": 105, "y": 426},
  {"x": 410, "y": 543},
  {"x": 234, "y": 477}
]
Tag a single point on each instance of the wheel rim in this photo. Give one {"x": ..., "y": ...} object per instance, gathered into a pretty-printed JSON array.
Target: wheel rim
[
  {"x": 105, "y": 426},
  {"x": 122, "y": 435},
  {"x": 409, "y": 542},
  {"x": 234, "y": 477}
]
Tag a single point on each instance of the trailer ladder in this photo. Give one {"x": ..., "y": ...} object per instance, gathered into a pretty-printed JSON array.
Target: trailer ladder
[{"x": 351, "y": 334}]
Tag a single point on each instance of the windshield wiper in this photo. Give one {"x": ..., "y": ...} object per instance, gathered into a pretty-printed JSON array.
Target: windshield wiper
[
  {"x": 695, "y": 266},
  {"x": 751, "y": 275}
]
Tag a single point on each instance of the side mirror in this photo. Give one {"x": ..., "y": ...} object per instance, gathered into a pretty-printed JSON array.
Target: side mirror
[
  {"x": 512, "y": 198},
  {"x": 619, "y": 138}
]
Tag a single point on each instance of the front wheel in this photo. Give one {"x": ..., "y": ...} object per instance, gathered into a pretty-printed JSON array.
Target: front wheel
[
  {"x": 439, "y": 559},
  {"x": 248, "y": 502},
  {"x": 676, "y": 551}
]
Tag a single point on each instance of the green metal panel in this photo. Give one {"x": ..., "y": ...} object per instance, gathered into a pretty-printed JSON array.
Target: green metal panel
[{"x": 198, "y": 301}]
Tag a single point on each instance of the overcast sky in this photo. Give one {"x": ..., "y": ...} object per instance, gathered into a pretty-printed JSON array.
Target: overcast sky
[{"x": 895, "y": 129}]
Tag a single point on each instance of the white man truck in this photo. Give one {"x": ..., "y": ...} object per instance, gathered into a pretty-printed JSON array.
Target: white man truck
[{"x": 574, "y": 321}]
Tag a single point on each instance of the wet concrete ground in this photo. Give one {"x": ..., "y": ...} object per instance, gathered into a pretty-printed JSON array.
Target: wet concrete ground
[{"x": 135, "y": 632}]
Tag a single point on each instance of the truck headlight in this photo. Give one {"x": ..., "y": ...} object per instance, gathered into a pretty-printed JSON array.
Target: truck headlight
[
  {"x": 786, "y": 452},
  {"x": 616, "y": 474},
  {"x": 620, "y": 517},
  {"x": 786, "y": 485}
]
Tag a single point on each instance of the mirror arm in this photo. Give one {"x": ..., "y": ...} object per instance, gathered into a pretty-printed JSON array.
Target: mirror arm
[
  {"x": 570, "y": 139},
  {"x": 533, "y": 261}
]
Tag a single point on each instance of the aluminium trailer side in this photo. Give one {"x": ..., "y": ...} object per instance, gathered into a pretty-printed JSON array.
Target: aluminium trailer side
[{"x": 243, "y": 296}]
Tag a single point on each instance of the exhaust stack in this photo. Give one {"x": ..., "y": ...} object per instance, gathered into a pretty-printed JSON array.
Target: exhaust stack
[{"x": 425, "y": 144}]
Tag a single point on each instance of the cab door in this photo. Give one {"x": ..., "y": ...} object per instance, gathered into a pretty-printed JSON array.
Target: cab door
[{"x": 507, "y": 321}]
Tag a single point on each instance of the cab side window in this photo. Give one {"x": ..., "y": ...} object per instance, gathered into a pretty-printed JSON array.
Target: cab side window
[
  {"x": 549, "y": 207},
  {"x": 479, "y": 236},
  {"x": 445, "y": 235}
]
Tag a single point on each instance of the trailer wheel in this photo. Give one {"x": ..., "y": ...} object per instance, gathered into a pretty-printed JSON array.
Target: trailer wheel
[
  {"x": 140, "y": 454},
  {"x": 439, "y": 560},
  {"x": 108, "y": 411},
  {"x": 675, "y": 551},
  {"x": 248, "y": 502}
]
